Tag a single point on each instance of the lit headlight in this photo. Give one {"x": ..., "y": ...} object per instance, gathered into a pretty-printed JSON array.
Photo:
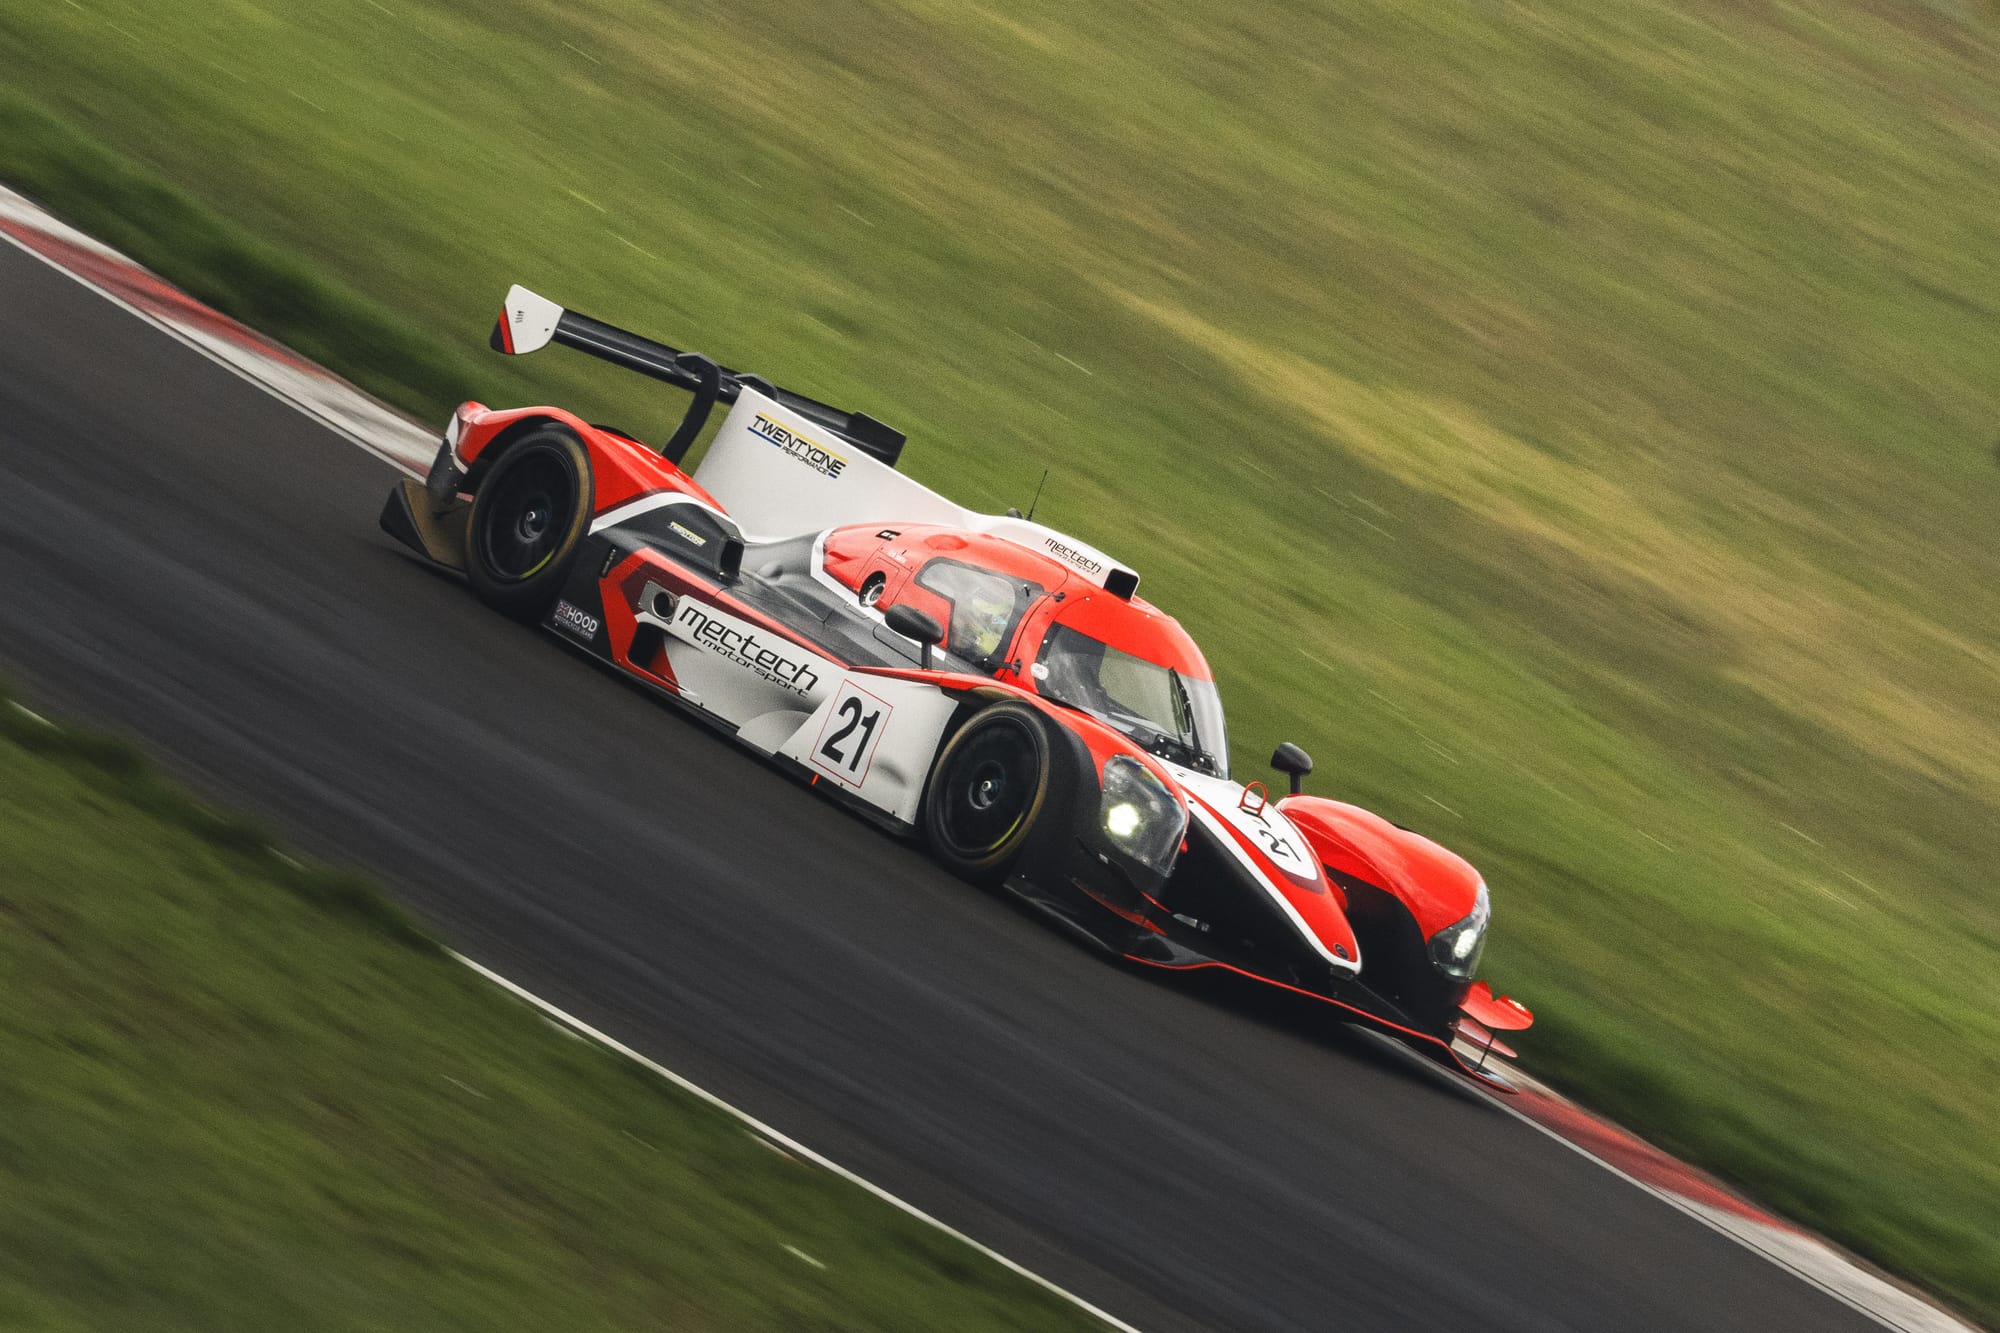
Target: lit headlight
[
  {"x": 1455, "y": 949},
  {"x": 1139, "y": 815}
]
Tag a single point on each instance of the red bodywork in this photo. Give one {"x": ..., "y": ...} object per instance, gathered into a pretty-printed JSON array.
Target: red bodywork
[
  {"x": 1436, "y": 886},
  {"x": 854, "y": 555},
  {"x": 622, "y": 469}
]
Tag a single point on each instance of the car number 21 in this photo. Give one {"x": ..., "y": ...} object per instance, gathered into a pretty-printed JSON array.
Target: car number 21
[{"x": 848, "y": 737}]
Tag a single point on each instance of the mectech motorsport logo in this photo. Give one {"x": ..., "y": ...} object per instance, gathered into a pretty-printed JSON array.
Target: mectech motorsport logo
[
  {"x": 742, "y": 644},
  {"x": 1064, "y": 551},
  {"x": 819, "y": 459}
]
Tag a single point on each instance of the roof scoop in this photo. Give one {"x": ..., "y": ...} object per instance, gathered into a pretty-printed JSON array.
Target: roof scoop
[{"x": 1080, "y": 556}]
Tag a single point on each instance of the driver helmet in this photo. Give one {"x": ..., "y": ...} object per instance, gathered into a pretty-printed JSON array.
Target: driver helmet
[{"x": 983, "y": 617}]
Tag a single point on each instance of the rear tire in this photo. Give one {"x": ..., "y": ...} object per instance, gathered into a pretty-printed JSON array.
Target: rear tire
[
  {"x": 529, "y": 516},
  {"x": 988, "y": 790}
]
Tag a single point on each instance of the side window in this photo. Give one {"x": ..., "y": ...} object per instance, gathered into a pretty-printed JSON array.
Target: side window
[{"x": 985, "y": 607}]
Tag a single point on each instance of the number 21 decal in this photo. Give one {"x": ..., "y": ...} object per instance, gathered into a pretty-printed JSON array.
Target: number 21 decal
[
  {"x": 1276, "y": 843},
  {"x": 847, "y": 738}
]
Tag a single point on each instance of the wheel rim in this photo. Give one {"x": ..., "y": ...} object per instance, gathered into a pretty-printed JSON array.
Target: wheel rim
[
  {"x": 525, "y": 516},
  {"x": 987, "y": 789}
]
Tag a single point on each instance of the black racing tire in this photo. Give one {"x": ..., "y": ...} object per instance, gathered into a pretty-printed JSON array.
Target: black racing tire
[
  {"x": 531, "y": 512},
  {"x": 989, "y": 789}
]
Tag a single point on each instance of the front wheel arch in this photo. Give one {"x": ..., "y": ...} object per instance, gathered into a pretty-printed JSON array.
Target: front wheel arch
[
  {"x": 1395, "y": 957},
  {"x": 1045, "y": 813}
]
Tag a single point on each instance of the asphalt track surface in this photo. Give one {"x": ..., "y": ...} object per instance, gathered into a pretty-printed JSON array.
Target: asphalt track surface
[{"x": 192, "y": 563}]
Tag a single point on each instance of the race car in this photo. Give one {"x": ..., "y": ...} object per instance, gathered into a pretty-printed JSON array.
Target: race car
[{"x": 982, "y": 683}]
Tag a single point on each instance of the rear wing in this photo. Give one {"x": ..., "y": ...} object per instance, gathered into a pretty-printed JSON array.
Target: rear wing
[
  {"x": 783, "y": 464},
  {"x": 529, "y": 323}
]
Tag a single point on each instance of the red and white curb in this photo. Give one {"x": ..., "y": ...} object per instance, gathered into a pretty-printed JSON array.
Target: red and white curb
[
  {"x": 1714, "y": 1205},
  {"x": 277, "y": 370},
  {"x": 375, "y": 428}
]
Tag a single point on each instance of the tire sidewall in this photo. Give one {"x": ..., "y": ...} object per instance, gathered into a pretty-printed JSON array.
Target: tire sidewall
[
  {"x": 530, "y": 598},
  {"x": 993, "y": 866}
]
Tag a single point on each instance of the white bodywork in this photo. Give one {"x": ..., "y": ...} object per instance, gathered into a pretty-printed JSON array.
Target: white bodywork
[
  {"x": 531, "y": 320},
  {"x": 871, "y": 735},
  {"x": 779, "y": 474},
  {"x": 776, "y": 475},
  {"x": 1219, "y": 804},
  {"x": 876, "y": 737}
]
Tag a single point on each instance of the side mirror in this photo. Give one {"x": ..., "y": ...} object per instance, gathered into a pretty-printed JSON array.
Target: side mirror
[
  {"x": 1294, "y": 763},
  {"x": 923, "y": 627}
]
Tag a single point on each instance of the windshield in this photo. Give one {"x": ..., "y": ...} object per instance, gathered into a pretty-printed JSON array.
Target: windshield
[{"x": 1178, "y": 718}]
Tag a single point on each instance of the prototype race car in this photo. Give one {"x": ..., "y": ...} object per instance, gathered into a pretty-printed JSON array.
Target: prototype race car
[{"x": 982, "y": 683}]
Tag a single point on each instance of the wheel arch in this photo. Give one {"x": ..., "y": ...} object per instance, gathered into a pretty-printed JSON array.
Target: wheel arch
[
  {"x": 1072, "y": 774},
  {"x": 1395, "y": 957},
  {"x": 622, "y": 468},
  {"x": 494, "y": 447},
  {"x": 1435, "y": 885}
]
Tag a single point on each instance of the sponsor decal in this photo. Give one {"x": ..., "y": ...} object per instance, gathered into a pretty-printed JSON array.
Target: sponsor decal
[
  {"x": 1277, "y": 844},
  {"x": 576, "y": 620},
  {"x": 847, "y": 738},
  {"x": 686, "y": 534},
  {"x": 813, "y": 454},
  {"x": 1064, "y": 551},
  {"x": 776, "y": 660}
]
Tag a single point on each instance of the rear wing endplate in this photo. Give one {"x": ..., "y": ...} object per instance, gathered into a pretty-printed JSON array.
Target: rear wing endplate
[{"x": 529, "y": 323}]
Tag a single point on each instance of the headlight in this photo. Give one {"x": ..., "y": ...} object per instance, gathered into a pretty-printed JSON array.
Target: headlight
[
  {"x": 1455, "y": 949},
  {"x": 1139, "y": 815}
]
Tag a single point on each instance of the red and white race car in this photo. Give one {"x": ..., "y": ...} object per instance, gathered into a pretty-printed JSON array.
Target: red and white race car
[{"x": 981, "y": 682}]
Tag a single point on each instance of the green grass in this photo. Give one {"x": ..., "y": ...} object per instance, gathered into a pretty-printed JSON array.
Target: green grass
[
  {"x": 1574, "y": 421},
  {"x": 244, "y": 1094}
]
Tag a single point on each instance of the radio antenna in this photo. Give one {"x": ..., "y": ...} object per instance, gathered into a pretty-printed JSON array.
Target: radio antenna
[{"x": 1038, "y": 494}]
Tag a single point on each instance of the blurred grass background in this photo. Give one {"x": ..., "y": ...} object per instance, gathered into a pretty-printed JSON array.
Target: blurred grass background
[
  {"x": 1574, "y": 421},
  {"x": 242, "y": 1093}
]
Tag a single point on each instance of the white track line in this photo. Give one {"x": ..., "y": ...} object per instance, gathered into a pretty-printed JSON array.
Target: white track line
[
  {"x": 1799, "y": 1253},
  {"x": 1803, "y": 1256},
  {"x": 15, "y": 206},
  {"x": 335, "y": 404},
  {"x": 1888, "y": 1305},
  {"x": 785, "y": 1141}
]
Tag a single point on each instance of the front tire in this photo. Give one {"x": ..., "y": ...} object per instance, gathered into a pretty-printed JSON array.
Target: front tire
[
  {"x": 529, "y": 516},
  {"x": 988, "y": 790}
]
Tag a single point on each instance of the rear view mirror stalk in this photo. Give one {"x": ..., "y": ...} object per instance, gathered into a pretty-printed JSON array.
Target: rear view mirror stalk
[
  {"x": 1294, "y": 763},
  {"x": 911, "y": 623}
]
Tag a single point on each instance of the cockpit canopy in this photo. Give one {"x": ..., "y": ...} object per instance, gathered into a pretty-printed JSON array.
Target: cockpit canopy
[
  {"x": 1025, "y": 618},
  {"x": 1173, "y": 716},
  {"x": 985, "y": 608}
]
